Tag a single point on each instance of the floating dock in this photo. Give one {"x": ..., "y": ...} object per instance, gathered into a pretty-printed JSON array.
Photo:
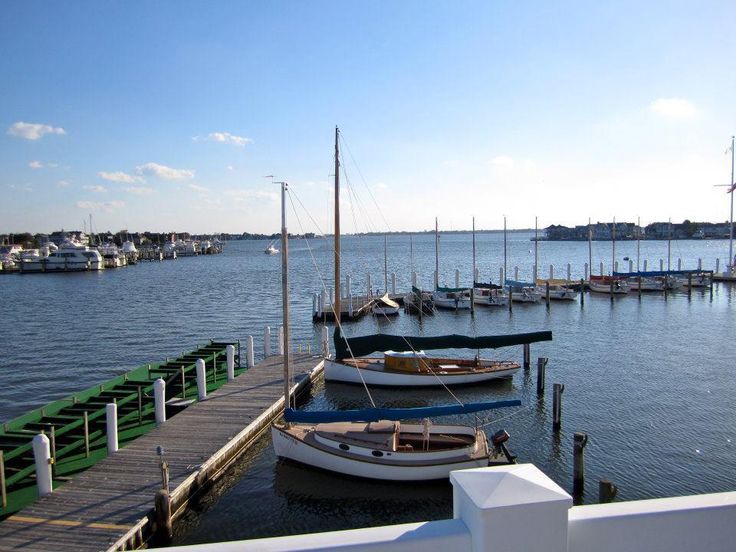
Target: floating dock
[{"x": 110, "y": 506}]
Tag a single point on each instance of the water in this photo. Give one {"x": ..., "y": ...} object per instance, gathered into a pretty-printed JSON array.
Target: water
[{"x": 650, "y": 381}]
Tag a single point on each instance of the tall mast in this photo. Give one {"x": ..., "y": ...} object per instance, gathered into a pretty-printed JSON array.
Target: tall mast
[
  {"x": 505, "y": 274},
  {"x": 730, "y": 227},
  {"x": 638, "y": 241},
  {"x": 285, "y": 292},
  {"x": 385, "y": 263},
  {"x": 337, "y": 228},
  {"x": 613, "y": 247},
  {"x": 536, "y": 249},
  {"x": 436, "y": 255},
  {"x": 590, "y": 249},
  {"x": 669, "y": 245},
  {"x": 473, "y": 252}
]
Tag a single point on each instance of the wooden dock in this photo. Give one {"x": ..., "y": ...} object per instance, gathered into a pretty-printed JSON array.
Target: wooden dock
[{"x": 110, "y": 506}]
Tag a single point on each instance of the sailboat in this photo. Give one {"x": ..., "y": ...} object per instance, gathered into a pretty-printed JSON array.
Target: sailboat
[
  {"x": 374, "y": 443},
  {"x": 447, "y": 297},
  {"x": 271, "y": 249}
]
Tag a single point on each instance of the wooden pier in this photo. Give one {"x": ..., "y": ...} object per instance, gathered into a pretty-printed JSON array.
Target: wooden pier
[{"x": 111, "y": 505}]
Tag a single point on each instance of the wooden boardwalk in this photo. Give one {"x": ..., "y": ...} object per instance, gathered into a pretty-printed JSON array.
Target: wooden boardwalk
[{"x": 110, "y": 506}]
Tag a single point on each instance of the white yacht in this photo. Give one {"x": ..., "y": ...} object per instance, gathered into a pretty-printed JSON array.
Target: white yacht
[{"x": 68, "y": 258}]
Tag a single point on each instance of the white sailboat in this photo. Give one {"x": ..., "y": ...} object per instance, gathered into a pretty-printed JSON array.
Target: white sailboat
[{"x": 372, "y": 443}]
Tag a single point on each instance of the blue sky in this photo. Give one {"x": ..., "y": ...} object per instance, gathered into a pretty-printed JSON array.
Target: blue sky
[{"x": 167, "y": 115}]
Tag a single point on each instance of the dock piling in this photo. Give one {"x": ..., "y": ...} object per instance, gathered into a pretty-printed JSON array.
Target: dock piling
[
  {"x": 393, "y": 283},
  {"x": 42, "y": 458},
  {"x": 183, "y": 383},
  {"x": 281, "y": 340},
  {"x": 457, "y": 277},
  {"x": 578, "y": 482},
  {"x": 607, "y": 491},
  {"x": 3, "y": 490},
  {"x": 230, "y": 356},
  {"x": 541, "y": 369},
  {"x": 557, "y": 389},
  {"x": 52, "y": 440},
  {"x": 111, "y": 414},
  {"x": 164, "y": 524},
  {"x": 201, "y": 380},
  {"x": 582, "y": 290},
  {"x": 546, "y": 291},
  {"x": 569, "y": 272},
  {"x": 585, "y": 271},
  {"x": 527, "y": 353},
  {"x": 267, "y": 341},
  {"x": 249, "y": 352},
  {"x": 140, "y": 404},
  {"x": 325, "y": 342},
  {"x": 159, "y": 397}
]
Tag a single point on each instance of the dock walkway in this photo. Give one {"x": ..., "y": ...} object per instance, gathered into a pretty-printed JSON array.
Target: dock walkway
[{"x": 110, "y": 506}]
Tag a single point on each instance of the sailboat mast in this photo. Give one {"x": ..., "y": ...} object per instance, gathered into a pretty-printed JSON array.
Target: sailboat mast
[
  {"x": 669, "y": 245},
  {"x": 638, "y": 241},
  {"x": 285, "y": 292},
  {"x": 505, "y": 273},
  {"x": 731, "y": 262},
  {"x": 473, "y": 251},
  {"x": 337, "y": 228},
  {"x": 436, "y": 255},
  {"x": 536, "y": 249},
  {"x": 385, "y": 263},
  {"x": 613, "y": 247},
  {"x": 590, "y": 249}
]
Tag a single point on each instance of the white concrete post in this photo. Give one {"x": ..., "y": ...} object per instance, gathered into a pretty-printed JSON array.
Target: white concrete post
[
  {"x": 661, "y": 265},
  {"x": 476, "y": 276},
  {"x": 615, "y": 266},
  {"x": 350, "y": 305},
  {"x": 201, "y": 380},
  {"x": 267, "y": 341},
  {"x": 369, "y": 286},
  {"x": 516, "y": 273},
  {"x": 230, "y": 355},
  {"x": 645, "y": 265},
  {"x": 551, "y": 272},
  {"x": 513, "y": 508},
  {"x": 348, "y": 285},
  {"x": 393, "y": 283},
  {"x": 281, "y": 340},
  {"x": 586, "y": 270},
  {"x": 718, "y": 265},
  {"x": 159, "y": 399},
  {"x": 250, "y": 352},
  {"x": 631, "y": 265},
  {"x": 569, "y": 272},
  {"x": 679, "y": 263},
  {"x": 534, "y": 273},
  {"x": 111, "y": 415},
  {"x": 601, "y": 272},
  {"x": 325, "y": 341},
  {"x": 457, "y": 277},
  {"x": 700, "y": 263},
  {"x": 414, "y": 279},
  {"x": 42, "y": 457}
]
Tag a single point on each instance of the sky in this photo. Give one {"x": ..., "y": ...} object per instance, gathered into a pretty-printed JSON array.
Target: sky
[{"x": 170, "y": 115}]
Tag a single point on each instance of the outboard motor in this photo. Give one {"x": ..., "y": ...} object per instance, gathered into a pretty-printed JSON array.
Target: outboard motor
[{"x": 499, "y": 443}]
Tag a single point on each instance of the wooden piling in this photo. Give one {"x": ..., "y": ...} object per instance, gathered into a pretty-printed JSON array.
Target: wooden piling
[
  {"x": 527, "y": 354},
  {"x": 546, "y": 293},
  {"x": 689, "y": 284},
  {"x": 511, "y": 300},
  {"x": 164, "y": 525},
  {"x": 582, "y": 292},
  {"x": 607, "y": 491},
  {"x": 557, "y": 389},
  {"x": 541, "y": 369},
  {"x": 53, "y": 449},
  {"x": 183, "y": 384},
  {"x": 578, "y": 482}
]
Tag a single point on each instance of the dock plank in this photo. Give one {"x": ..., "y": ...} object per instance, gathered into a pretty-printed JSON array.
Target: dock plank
[{"x": 99, "y": 506}]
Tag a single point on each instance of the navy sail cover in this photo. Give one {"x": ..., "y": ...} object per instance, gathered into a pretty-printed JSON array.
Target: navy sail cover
[{"x": 365, "y": 345}]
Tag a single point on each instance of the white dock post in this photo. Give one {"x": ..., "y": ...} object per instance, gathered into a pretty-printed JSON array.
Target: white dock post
[
  {"x": 159, "y": 399},
  {"x": 267, "y": 342},
  {"x": 230, "y": 356},
  {"x": 393, "y": 283},
  {"x": 645, "y": 265},
  {"x": 325, "y": 341},
  {"x": 631, "y": 265},
  {"x": 601, "y": 268},
  {"x": 348, "y": 285},
  {"x": 111, "y": 417},
  {"x": 534, "y": 273},
  {"x": 499, "y": 505},
  {"x": 718, "y": 265},
  {"x": 700, "y": 263},
  {"x": 586, "y": 270},
  {"x": 476, "y": 276},
  {"x": 42, "y": 457},
  {"x": 350, "y": 304},
  {"x": 457, "y": 277},
  {"x": 201, "y": 380},
  {"x": 661, "y": 265},
  {"x": 281, "y": 340},
  {"x": 516, "y": 273},
  {"x": 369, "y": 286},
  {"x": 615, "y": 266},
  {"x": 250, "y": 352},
  {"x": 569, "y": 271},
  {"x": 414, "y": 279},
  {"x": 501, "y": 279},
  {"x": 679, "y": 263},
  {"x": 551, "y": 272}
]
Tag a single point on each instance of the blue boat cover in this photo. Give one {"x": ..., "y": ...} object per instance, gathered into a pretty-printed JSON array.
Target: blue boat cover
[
  {"x": 375, "y": 414},
  {"x": 652, "y": 273},
  {"x": 517, "y": 284}
]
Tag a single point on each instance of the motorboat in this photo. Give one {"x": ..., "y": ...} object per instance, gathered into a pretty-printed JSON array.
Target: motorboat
[
  {"x": 130, "y": 251},
  {"x": 112, "y": 255},
  {"x": 69, "y": 257},
  {"x": 271, "y": 250},
  {"x": 451, "y": 298}
]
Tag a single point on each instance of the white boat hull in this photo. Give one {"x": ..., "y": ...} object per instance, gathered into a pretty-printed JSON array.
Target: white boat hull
[
  {"x": 451, "y": 303},
  {"x": 525, "y": 296},
  {"x": 287, "y": 446},
  {"x": 337, "y": 371},
  {"x": 620, "y": 289}
]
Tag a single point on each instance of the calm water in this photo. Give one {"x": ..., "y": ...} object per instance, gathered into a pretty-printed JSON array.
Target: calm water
[{"x": 650, "y": 381}]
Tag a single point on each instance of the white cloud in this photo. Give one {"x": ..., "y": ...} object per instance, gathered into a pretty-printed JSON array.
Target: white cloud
[
  {"x": 164, "y": 172},
  {"x": 139, "y": 190},
  {"x": 35, "y": 164},
  {"x": 230, "y": 168},
  {"x": 503, "y": 161},
  {"x": 96, "y": 189},
  {"x": 674, "y": 109},
  {"x": 380, "y": 186},
  {"x": 119, "y": 176},
  {"x": 107, "y": 206},
  {"x": 63, "y": 184},
  {"x": 197, "y": 188},
  {"x": 33, "y": 131},
  {"x": 225, "y": 138}
]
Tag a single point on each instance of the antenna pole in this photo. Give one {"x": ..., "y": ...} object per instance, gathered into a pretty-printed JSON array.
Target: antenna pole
[
  {"x": 285, "y": 292},
  {"x": 337, "y": 228}
]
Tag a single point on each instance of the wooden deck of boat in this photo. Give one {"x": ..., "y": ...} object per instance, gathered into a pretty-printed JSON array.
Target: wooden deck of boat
[{"x": 110, "y": 506}]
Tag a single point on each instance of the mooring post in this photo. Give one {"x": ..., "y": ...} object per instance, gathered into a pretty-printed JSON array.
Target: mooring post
[
  {"x": 569, "y": 272},
  {"x": 201, "y": 380},
  {"x": 393, "y": 283},
  {"x": 159, "y": 400},
  {"x": 457, "y": 277},
  {"x": 314, "y": 305},
  {"x": 700, "y": 263},
  {"x": 607, "y": 491},
  {"x": 267, "y": 341},
  {"x": 230, "y": 356},
  {"x": 578, "y": 482},
  {"x": 350, "y": 304},
  {"x": 111, "y": 417},
  {"x": 546, "y": 293},
  {"x": 325, "y": 341},
  {"x": 369, "y": 287},
  {"x": 250, "y": 352},
  {"x": 582, "y": 292},
  {"x": 526, "y": 356},
  {"x": 85, "y": 417},
  {"x": 631, "y": 266},
  {"x": 511, "y": 299},
  {"x": 3, "y": 490},
  {"x": 661, "y": 265},
  {"x": 679, "y": 264},
  {"x": 42, "y": 458},
  {"x": 52, "y": 439},
  {"x": 414, "y": 279},
  {"x": 645, "y": 265},
  {"x": 718, "y": 265},
  {"x": 638, "y": 280},
  {"x": 601, "y": 269},
  {"x": 281, "y": 340},
  {"x": 501, "y": 279},
  {"x": 541, "y": 368},
  {"x": 164, "y": 525},
  {"x": 585, "y": 271},
  {"x": 557, "y": 389},
  {"x": 689, "y": 284},
  {"x": 516, "y": 273}
]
